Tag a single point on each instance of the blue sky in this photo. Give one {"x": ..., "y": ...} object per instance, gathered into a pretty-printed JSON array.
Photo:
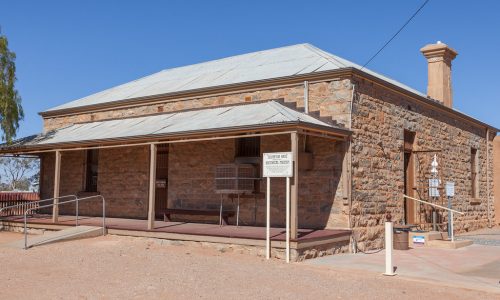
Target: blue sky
[{"x": 69, "y": 49}]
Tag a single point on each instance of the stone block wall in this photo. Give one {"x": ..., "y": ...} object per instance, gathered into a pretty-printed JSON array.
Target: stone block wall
[
  {"x": 380, "y": 117},
  {"x": 122, "y": 180},
  {"x": 328, "y": 99},
  {"x": 496, "y": 178},
  {"x": 192, "y": 181},
  {"x": 124, "y": 177}
]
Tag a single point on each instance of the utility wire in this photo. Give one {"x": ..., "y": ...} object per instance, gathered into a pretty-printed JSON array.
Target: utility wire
[{"x": 400, "y": 29}]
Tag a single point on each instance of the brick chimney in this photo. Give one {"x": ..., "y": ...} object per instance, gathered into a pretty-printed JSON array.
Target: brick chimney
[{"x": 439, "y": 57}]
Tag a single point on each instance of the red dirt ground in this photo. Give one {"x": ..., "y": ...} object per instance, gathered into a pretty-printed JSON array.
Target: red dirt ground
[{"x": 113, "y": 267}]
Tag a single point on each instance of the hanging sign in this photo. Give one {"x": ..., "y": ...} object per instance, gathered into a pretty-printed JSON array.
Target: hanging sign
[
  {"x": 450, "y": 189},
  {"x": 277, "y": 164}
]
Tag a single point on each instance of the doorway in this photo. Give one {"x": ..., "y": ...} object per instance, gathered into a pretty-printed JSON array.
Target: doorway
[
  {"x": 161, "y": 183},
  {"x": 409, "y": 178}
]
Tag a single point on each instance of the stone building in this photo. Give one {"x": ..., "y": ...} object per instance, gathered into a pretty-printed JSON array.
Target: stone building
[{"x": 360, "y": 142}]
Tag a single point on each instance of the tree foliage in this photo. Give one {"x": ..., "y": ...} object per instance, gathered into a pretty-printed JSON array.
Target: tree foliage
[
  {"x": 11, "y": 111},
  {"x": 20, "y": 173}
]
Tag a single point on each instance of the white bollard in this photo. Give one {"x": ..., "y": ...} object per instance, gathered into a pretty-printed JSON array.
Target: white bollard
[{"x": 389, "y": 266}]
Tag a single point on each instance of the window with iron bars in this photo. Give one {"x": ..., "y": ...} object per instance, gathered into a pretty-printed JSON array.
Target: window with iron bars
[{"x": 92, "y": 164}]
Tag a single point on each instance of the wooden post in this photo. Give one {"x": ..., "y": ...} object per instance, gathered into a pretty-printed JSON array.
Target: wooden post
[
  {"x": 295, "y": 187},
  {"x": 152, "y": 187},
  {"x": 57, "y": 179}
]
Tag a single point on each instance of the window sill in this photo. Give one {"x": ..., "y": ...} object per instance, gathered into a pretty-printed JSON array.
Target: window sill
[
  {"x": 474, "y": 201},
  {"x": 87, "y": 194}
]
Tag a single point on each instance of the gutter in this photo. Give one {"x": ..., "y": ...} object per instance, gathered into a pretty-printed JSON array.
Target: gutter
[{"x": 327, "y": 131}]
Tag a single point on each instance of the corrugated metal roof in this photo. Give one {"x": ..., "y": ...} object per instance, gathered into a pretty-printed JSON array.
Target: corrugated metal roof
[
  {"x": 192, "y": 121},
  {"x": 274, "y": 63}
]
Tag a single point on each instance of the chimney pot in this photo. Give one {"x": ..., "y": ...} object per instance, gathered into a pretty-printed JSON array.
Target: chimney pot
[{"x": 439, "y": 57}]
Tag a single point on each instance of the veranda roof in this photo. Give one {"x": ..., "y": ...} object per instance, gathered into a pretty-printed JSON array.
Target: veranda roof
[{"x": 171, "y": 125}]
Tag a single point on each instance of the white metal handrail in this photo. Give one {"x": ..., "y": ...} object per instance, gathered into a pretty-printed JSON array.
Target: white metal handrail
[
  {"x": 77, "y": 200},
  {"x": 441, "y": 207},
  {"x": 435, "y": 205},
  {"x": 38, "y": 201}
]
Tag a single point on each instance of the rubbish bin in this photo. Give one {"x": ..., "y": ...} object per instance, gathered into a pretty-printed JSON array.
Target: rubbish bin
[{"x": 400, "y": 240}]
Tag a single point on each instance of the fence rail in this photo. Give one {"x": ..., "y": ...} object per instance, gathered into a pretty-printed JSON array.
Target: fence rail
[{"x": 16, "y": 203}]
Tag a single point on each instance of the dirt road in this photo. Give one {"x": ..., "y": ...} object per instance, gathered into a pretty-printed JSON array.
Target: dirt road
[{"x": 115, "y": 267}]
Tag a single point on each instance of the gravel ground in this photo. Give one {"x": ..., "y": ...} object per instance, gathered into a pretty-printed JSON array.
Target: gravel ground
[
  {"x": 486, "y": 236},
  {"x": 113, "y": 267}
]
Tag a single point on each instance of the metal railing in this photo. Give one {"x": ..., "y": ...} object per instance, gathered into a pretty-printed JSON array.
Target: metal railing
[
  {"x": 35, "y": 203},
  {"x": 441, "y": 207},
  {"x": 77, "y": 200}
]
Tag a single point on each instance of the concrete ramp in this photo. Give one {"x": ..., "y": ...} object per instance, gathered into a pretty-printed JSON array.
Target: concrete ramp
[{"x": 72, "y": 233}]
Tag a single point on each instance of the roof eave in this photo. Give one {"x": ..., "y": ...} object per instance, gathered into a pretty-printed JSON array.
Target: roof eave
[{"x": 340, "y": 133}]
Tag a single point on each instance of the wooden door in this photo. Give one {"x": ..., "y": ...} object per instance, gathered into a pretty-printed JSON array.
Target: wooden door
[
  {"x": 409, "y": 178},
  {"x": 409, "y": 184},
  {"x": 161, "y": 195}
]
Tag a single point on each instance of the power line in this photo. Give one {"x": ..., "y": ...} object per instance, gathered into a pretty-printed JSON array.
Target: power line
[{"x": 396, "y": 34}]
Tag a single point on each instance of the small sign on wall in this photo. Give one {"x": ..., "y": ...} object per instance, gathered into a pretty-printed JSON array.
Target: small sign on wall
[
  {"x": 161, "y": 183},
  {"x": 278, "y": 164},
  {"x": 450, "y": 189}
]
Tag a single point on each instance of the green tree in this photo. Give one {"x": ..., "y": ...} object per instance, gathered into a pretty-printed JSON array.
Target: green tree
[
  {"x": 11, "y": 111},
  {"x": 20, "y": 173}
]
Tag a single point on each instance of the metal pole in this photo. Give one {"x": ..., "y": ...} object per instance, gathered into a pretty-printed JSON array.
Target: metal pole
[
  {"x": 389, "y": 266},
  {"x": 220, "y": 211},
  {"x": 76, "y": 222},
  {"x": 238, "y": 212},
  {"x": 434, "y": 219},
  {"x": 288, "y": 219},
  {"x": 452, "y": 234},
  {"x": 306, "y": 97},
  {"x": 449, "y": 216},
  {"x": 103, "y": 215},
  {"x": 25, "y": 232},
  {"x": 268, "y": 217}
]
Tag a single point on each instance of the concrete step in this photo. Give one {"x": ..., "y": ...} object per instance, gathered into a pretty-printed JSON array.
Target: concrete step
[
  {"x": 78, "y": 232},
  {"x": 448, "y": 244}
]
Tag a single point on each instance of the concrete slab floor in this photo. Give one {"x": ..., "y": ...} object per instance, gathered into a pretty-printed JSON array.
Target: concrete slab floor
[{"x": 474, "y": 267}]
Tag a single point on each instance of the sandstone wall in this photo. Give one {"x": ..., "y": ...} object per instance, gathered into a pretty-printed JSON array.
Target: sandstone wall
[
  {"x": 377, "y": 160},
  {"x": 380, "y": 117},
  {"x": 192, "y": 179},
  {"x": 327, "y": 98},
  {"x": 496, "y": 178},
  {"x": 122, "y": 180}
]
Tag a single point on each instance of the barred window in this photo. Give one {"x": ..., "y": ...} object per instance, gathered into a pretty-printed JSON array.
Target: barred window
[
  {"x": 248, "y": 147},
  {"x": 91, "y": 170}
]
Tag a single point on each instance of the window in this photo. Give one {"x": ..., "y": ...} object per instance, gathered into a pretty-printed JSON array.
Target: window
[
  {"x": 91, "y": 170},
  {"x": 248, "y": 147},
  {"x": 474, "y": 178}
]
